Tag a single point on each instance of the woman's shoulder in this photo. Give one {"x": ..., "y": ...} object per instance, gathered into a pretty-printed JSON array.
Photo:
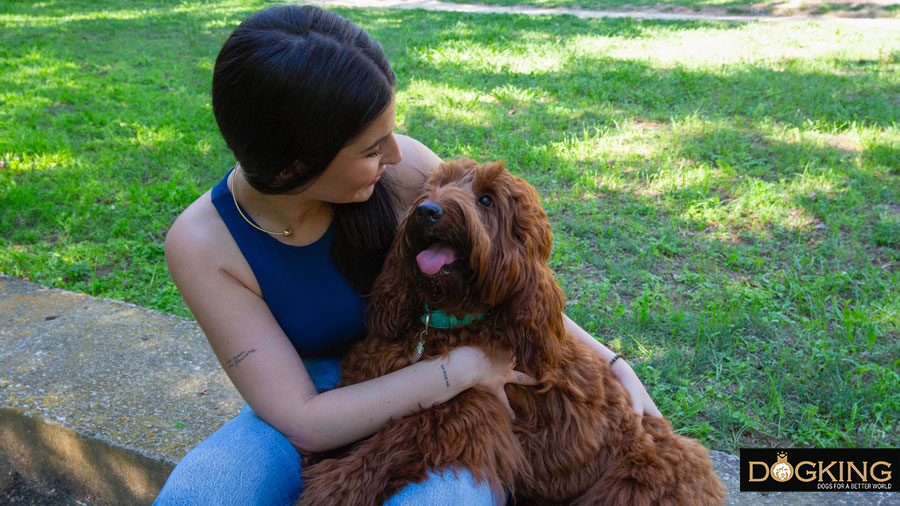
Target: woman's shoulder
[
  {"x": 190, "y": 235},
  {"x": 200, "y": 239},
  {"x": 196, "y": 225},
  {"x": 410, "y": 174}
]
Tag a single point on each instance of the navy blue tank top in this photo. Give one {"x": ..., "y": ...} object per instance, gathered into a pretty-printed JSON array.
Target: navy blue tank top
[{"x": 313, "y": 302}]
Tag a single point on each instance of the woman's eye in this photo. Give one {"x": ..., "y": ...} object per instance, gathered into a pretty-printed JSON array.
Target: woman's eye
[
  {"x": 376, "y": 153},
  {"x": 486, "y": 200}
]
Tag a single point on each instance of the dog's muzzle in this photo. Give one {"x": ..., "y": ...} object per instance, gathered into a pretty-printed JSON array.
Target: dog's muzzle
[{"x": 429, "y": 213}]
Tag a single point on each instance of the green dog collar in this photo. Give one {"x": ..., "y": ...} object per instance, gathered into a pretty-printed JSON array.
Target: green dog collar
[{"x": 441, "y": 320}]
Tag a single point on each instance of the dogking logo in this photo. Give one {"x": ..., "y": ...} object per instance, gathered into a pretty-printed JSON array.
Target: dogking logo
[
  {"x": 820, "y": 469},
  {"x": 782, "y": 471}
]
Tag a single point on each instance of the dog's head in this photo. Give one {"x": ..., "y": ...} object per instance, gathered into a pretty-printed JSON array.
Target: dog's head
[
  {"x": 473, "y": 236},
  {"x": 476, "y": 240}
]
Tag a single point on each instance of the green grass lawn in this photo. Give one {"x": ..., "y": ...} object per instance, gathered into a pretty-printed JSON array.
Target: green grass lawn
[
  {"x": 835, "y": 8},
  {"x": 725, "y": 197}
]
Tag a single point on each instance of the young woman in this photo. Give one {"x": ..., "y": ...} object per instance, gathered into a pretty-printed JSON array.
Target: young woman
[{"x": 276, "y": 259}]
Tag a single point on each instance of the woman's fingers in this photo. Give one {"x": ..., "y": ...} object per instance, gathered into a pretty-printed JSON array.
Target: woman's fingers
[
  {"x": 520, "y": 378},
  {"x": 640, "y": 399},
  {"x": 516, "y": 378},
  {"x": 498, "y": 372},
  {"x": 501, "y": 394},
  {"x": 645, "y": 408}
]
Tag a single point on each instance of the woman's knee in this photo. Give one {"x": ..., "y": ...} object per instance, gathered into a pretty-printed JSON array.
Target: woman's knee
[
  {"x": 448, "y": 488},
  {"x": 244, "y": 462}
]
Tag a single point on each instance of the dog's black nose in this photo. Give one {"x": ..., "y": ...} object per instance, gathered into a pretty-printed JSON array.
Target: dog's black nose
[{"x": 429, "y": 213}]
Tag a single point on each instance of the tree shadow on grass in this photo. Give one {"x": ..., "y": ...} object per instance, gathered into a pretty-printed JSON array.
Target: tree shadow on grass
[
  {"x": 106, "y": 135},
  {"x": 793, "y": 96},
  {"x": 720, "y": 120},
  {"x": 479, "y": 53},
  {"x": 507, "y": 28}
]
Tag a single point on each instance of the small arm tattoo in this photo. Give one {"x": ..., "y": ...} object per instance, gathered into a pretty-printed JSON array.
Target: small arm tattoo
[
  {"x": 446, "y": 379},
  {"x": 237, "y": 359}
]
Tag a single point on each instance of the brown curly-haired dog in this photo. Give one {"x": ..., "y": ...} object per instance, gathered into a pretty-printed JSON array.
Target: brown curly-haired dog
[{"x": 477, "y": 243}]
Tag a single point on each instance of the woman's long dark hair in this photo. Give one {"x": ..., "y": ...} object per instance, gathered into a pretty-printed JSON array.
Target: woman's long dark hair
[{"x": 291, "y": 87}]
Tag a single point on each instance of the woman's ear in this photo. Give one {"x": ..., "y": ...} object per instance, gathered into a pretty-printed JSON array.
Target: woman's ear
[{"x": 291, "y": 173}]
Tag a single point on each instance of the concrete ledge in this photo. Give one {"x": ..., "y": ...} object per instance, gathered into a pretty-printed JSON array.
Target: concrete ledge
[
  {"x": 101, "y": 398},
  {"x": 88, "y": 468}
]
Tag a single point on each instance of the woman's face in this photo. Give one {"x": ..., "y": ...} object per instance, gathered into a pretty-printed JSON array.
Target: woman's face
[{"x": 352, "y": 174}]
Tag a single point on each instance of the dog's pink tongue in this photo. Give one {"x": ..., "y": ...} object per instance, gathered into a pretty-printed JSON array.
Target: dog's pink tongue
[{"x": 436, "y": 256}]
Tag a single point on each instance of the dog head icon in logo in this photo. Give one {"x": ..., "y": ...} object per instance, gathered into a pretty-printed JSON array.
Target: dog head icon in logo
[{"x": 782, "y": 470}]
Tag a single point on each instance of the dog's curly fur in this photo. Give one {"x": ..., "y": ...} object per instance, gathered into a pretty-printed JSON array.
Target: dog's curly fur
[{"x": 576, "y": 438}]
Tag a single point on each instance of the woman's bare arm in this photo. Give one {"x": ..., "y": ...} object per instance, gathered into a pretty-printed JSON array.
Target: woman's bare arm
[{"x": 640, "y": 399}]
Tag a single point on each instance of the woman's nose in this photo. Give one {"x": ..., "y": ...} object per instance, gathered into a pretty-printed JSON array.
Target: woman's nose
[{"x": 392, "y": 155}]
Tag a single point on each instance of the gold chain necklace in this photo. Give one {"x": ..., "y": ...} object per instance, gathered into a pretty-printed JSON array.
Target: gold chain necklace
[{"x": 287, "y": 232}]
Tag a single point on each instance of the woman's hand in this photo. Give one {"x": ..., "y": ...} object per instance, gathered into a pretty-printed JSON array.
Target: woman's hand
[
  {"x": 640, "y": 399},
  {"x": 491, "y": 373}
]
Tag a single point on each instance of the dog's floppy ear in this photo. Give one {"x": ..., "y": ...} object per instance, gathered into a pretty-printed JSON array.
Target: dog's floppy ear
[
  {"x": 394, "y": 306},
  {"x": 537, "y": 307},
  {"x": 537, "y": 313},
  {"x": 530, "y": 222}
]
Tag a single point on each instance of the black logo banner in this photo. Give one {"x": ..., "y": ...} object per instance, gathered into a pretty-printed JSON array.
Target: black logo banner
[{"x": 820, "y": 469}]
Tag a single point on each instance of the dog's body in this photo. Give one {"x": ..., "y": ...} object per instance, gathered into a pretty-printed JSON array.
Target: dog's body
[{"x": 483, "y": 242}]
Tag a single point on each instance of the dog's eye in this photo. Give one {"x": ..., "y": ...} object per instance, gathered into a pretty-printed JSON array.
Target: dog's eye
[{"x": 486, "y": 200}]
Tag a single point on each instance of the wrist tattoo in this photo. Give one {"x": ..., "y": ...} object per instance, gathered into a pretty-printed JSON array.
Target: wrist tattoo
[
  {"x": 446, "y": 379},
  {"x": 237, "y": 359}
]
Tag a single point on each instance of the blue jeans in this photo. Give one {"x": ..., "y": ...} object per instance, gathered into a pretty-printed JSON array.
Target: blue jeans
[{"x": 247, "y": 462}]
